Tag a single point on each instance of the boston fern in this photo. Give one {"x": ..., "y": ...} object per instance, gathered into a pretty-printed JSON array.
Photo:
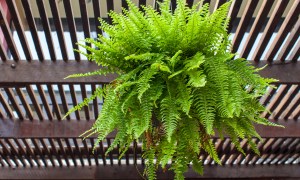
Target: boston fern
[{"x": 178, "y": 84}]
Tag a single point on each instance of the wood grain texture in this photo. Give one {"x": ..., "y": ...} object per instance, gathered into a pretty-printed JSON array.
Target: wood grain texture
[
  {"x": 131, "y": 172},
  {"x": 35, "y": 72},
  {"x": 73, "y": 128}
]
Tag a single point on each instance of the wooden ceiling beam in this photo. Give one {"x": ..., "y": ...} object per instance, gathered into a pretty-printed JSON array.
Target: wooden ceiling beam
[
  {"x": 23, "y": 73},
  {"x": 73, "y": 128},
  {"x": 132, "y": 172}
]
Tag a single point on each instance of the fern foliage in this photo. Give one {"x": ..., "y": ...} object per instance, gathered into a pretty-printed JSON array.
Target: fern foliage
[{"x": 178, "y": 83}]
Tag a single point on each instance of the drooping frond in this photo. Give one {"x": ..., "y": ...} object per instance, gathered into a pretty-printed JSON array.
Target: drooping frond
[
  {"x": 167, "y": 149},
  {"x": 170, "y": 116},
  {"x": 209, "y": 147},
  {"x": 150, "y": 170},
  {"x": 86, "y": 101},
  {"x": 217, "y": 76},
  {"x": 198, "y": 166},
  {"x": 205, "y": 106},
  {"x": 102, "y": 71},
  {"x": 144, "y": 81}
]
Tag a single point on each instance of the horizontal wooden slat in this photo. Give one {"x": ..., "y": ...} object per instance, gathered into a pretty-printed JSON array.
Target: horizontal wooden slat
[
  {"x": 132, "y": 172},
  {"x": 54, "y": 72},
  {"x": 73, "y": 128},
  {"x": 48, "y": 72},
  {"x": 286, "y": 73},
  {"x": 41, "y": 129}
]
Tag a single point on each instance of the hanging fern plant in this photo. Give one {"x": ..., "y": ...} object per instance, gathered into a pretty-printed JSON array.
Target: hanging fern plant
[{"x": 178, "y": 84}]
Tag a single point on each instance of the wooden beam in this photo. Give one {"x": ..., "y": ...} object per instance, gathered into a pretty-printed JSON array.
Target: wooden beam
[
  {"x": 35, "y": 72},
  {"x": 73, "y": 128},
  {"x": 23, "y": 73},
  {"x": 133, "y": 172},
  {"x": 286, "y": 73},
  {"x": 43, "y": 129}
]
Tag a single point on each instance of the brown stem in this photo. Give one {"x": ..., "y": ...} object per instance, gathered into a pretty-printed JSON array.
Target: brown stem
[{"x": 148, "y": 139}]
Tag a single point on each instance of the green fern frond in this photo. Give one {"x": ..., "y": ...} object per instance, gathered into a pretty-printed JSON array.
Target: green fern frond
[
  {"x": 143, "y": 57},
  {"x": 150, "y": 170},
  {"x": 266, "y": 122},
  {"x": 120, "y": 139},
  {"x": 146, "y": 108},
  {"x": 161, "y": 67},
  {"x": 144, "y": 81},
  {"x": 86, "y": 101},
  {"x": 196, "y": 78},
  {"x": 103, "y": 71},
  {"x": 167, "y": 150},
  {"x": 170, "y": 116},
  {"x": 190, "y": 130},
  {"x": 247, "y": 127},
  {"x": 236, "y": 96},
  {"x": 160, "y": 25},
  {"x": 183, "y": 96},
  {"x": 234, "y": 135},
  {"x": 209, "y": 147},
  {"x": 217, "y": 75},
  {"x": 109, "y": 116},
  {"x": 175, "y": 74},
  {"x": 175, "y": 58},
  {"x": 164, "y": 8},
  {"x": 128, "y": 101},
  {"x": 197, "y": 166},
  {"x": 205, "y": 104},
  {"x": 194, "y": 62},
  {"x": 253, "y": 146}
]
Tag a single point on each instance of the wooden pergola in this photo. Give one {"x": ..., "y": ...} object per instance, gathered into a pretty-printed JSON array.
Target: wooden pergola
[{"x": 36, "y": 42}]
